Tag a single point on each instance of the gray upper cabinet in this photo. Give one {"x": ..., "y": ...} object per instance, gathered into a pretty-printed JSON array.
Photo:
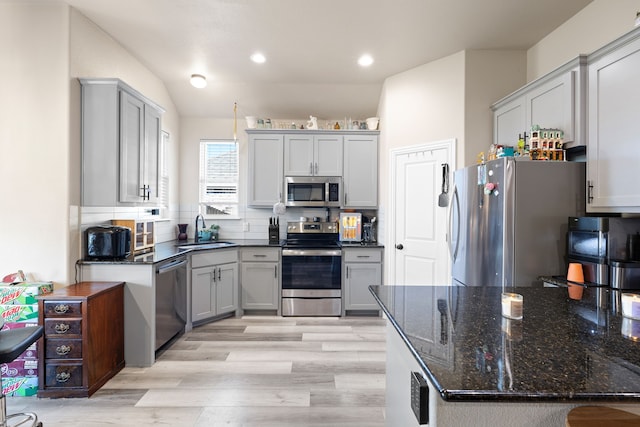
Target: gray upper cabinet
[
  {"x": 553, "y": 101},
  {"x": 121, "y": 132},
  {"x": 313, "y": 155},
  {"x": 509, "y": 121},
  {"x": 360, "y": 178},
  {"x": 353, "y": 155},
  {"x": 613, "y": 154},
  {"x": 266, "y": 179}
]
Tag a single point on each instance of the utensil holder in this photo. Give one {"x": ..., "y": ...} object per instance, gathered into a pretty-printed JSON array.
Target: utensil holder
[{"x": 274, "y": 234}]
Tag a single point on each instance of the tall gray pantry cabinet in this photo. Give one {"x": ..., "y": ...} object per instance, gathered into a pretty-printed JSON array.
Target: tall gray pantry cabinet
[{"x": 121, "y": 132}]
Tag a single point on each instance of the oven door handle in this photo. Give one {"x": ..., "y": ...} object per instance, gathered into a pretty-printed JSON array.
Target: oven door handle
[{"x": 311, "y": 252}]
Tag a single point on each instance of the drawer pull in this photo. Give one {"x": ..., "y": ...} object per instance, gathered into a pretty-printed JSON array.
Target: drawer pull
[
  {"x": 61, "y": 350},
  {"x": 61, "y": 328},
  {"x": 63, "y": 377},
  {"x": 61, "y": 308}
]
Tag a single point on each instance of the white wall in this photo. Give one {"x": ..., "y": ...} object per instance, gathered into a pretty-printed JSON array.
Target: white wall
[
  {"x": 34, "y": 140},
  {"x": 447, "y": 98},
  {"x": 43, "y": 48},
  {"x": 489, "y": 76},
  {"x": 601, "y": 22},
  {"x": 417, "y": 106}
]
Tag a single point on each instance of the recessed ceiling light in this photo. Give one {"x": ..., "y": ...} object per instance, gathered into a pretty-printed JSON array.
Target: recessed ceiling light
[
  {"x": 365, "y": 60},
  {"x": 258, "y": 58},
  {"x": 198, "y": 80}
]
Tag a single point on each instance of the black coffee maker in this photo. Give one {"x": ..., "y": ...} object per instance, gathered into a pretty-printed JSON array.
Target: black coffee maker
[{"x": 369, "y": 231}]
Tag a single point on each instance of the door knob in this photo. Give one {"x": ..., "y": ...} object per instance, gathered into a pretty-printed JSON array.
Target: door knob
[{"x": 399, "y": 246}]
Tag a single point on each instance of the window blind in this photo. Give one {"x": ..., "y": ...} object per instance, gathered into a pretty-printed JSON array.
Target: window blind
[
  {"x": 219, "y": 177},
  {"x": 164, "y": 170}
]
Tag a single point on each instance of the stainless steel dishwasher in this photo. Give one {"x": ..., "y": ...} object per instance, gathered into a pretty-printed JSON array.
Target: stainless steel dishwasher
[{"x": 171, "y": 299}]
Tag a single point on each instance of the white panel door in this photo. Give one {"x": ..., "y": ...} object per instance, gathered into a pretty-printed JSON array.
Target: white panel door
[{"x": 420, "y": 255}]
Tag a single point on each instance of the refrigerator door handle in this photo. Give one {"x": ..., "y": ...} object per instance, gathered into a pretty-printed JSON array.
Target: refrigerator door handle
[{"x": 454, "y": 205}]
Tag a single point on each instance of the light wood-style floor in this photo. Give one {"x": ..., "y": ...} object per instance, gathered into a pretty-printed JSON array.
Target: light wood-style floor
[{"x": 255, "y": 371}]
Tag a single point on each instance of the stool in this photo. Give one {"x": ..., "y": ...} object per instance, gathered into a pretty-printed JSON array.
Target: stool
[
  {"x": 600, "y": 416},
  {"x": 13, "y": 343}
]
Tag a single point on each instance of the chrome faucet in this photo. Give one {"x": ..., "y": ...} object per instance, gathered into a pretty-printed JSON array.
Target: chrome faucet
[{"x": 196, "y": 238}]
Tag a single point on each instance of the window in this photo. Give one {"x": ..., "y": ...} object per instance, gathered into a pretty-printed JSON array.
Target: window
[
  {"x": 219, "y": 179},
  {"x": 164, "y": 172}
]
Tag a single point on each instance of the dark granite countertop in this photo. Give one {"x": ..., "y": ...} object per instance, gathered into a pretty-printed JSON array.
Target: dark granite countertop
[
  {"x": 168, "y": 250},
  {"x": 562, "y": 350},
  {"x": 373, "y": 245},
  {"x": 563, "y": 282}
]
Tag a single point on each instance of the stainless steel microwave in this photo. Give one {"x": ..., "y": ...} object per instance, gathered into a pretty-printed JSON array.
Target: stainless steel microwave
[{"x": 313, "y": 191}]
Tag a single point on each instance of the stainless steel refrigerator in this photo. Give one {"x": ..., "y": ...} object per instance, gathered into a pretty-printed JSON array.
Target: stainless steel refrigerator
[{"x": 508, "y": 220}]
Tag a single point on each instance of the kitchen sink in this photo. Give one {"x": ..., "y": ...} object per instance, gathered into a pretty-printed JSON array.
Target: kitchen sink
[{"x": 206, "y": 245}]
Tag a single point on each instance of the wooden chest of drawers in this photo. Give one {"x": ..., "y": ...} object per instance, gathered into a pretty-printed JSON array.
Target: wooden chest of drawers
[{"x": 83, "y": 343}]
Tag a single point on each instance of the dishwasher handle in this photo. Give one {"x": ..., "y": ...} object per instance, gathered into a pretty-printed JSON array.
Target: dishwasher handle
[{"x": 171, "y": 266}]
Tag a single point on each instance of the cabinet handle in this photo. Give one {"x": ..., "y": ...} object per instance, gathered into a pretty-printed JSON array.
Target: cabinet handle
[
  {"x": 362, "y": 256},
  {"x": 311, "y": 168},
  {"x": 61, "y": 328},
  {"x": 345, "y": 198},
  {"x": 61, "y": 308},
  {"x": 63, "y": 377},
  {"x": 347, "y": 272},
  {"x": 316, "y": 168},
  {"x": 275, "y": 271},
  {"x": 146, "y": 192},
  {"x": 259, "y": 255},
  {"x": 213, "y": 276},
  {"x": 62, "y": 350},
  {"x": 589, "y": 191},
  {"x": 219, "y": 274}
]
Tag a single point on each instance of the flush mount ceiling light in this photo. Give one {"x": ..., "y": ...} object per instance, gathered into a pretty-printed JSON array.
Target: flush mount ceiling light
[
  {"x": 198, "y": 80},
  {"x": 365, "y": 60},
  {"x": 258, "y": 58}
]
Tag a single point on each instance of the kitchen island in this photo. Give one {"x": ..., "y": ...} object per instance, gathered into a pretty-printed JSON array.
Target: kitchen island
[{"x": 483, "y": 369}]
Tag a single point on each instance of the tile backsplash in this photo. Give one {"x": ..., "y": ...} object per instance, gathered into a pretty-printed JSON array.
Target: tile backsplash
[{"x": 250, "y": 224}]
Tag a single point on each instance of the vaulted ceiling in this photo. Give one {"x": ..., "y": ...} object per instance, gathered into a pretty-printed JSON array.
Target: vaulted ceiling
[{"x": 311, "y": 47}]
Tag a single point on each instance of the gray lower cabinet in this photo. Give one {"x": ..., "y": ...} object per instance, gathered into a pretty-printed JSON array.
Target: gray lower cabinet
[
  {"x": 362, "y": 267},
  {"x": 121, "y": 131},
  {"x": 260, "y": 278},
  {"x": 214, "y": 284}
]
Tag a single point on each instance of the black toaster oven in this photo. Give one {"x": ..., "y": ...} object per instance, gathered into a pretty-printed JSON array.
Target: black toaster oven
[{"x": 108, "y": 242}]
